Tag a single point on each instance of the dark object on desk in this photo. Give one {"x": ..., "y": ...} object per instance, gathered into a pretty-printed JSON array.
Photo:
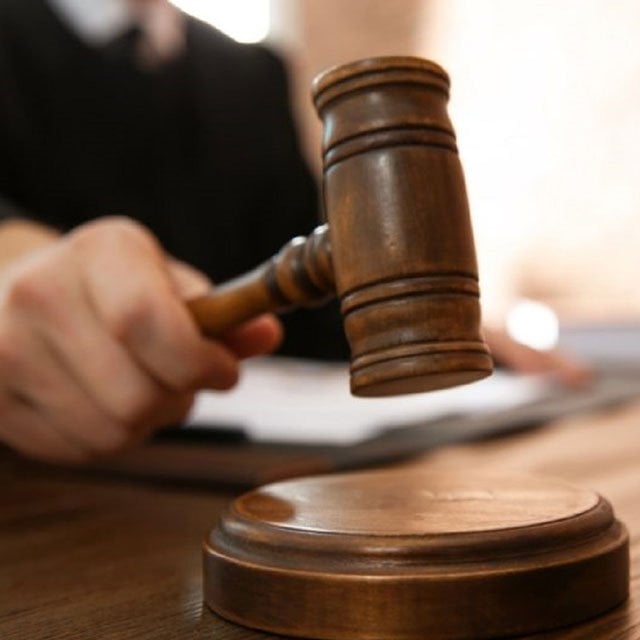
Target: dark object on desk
[
  {"x": 227, "y": 457},
  {"x": 415, "y": 555},
  {"x": 398, "y": 249}
]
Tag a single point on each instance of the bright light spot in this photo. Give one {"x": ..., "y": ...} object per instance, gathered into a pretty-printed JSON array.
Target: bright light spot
[
  {"x": 243, "y": 20},
  {"x": 534, "y": 324}
]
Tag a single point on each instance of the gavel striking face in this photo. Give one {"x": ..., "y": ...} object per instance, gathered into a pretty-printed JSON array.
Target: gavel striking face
[{"x": 397, "y": 248}]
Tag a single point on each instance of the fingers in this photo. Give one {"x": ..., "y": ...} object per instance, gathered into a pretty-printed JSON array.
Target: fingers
[
  {"x": 567, "y": 368},
  {"x": 256, "y": 337},
  {"x": 44, "y": 431},
  {"x": 25, "y": 430},
  {"x": 144, "y": 313},
  {"x": 97, "y": 348},
  {"x": 51, "y": 406}
]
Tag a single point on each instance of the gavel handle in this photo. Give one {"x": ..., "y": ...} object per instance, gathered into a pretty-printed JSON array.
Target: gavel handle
[{"x": 300, "y": 274}]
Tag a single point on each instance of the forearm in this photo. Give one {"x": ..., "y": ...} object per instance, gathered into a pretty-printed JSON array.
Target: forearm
[{"x": 19, "y": 237}]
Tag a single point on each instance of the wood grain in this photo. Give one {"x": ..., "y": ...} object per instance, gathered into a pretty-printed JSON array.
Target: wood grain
[
  {"x": 88, "y": 558},
  {"x": 398, "y": 249},
  {"x": 401, "y": 239},
  {"x": 390, "y": 551}
]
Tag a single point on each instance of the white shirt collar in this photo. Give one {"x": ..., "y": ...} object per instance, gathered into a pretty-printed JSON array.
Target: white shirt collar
[
  {"x": 98, "y": 22},
  {"x": 95, "y": 21}
]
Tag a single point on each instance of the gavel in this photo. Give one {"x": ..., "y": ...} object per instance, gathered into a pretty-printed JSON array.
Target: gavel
[
  {"x": 405, "y": 553},
  {"x": 397, "y": 247}
]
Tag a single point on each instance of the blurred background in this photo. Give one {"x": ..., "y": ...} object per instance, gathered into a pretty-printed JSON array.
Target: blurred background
[{"x": 546, "y": 103}]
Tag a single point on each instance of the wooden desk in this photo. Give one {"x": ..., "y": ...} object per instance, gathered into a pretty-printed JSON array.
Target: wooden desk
[{"x": 88, "y": 558}]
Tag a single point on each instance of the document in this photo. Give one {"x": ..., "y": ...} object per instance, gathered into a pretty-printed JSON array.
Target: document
[{"x": 299, "y": 401}]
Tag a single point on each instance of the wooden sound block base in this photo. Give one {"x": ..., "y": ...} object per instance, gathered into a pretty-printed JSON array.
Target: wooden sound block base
[{"x": 415, "y": 555}]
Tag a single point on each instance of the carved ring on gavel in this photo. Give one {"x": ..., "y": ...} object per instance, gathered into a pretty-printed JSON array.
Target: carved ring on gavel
[{"x": 398, "y": 246}]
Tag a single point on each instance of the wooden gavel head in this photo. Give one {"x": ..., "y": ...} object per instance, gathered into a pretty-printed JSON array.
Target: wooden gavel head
[
  {"x": 400, "y": 234},
  {"x": 399, "y": 248}
]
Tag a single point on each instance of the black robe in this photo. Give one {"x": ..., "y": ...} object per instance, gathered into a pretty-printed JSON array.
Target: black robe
[{"x": 203, "y": 150}]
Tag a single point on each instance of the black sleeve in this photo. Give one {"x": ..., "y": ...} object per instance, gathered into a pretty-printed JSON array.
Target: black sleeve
[
  {"x": 9, "y": 210},
  {"x": 16, "y": 141}
]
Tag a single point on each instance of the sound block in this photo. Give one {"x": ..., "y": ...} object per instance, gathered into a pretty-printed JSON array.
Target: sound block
[{"x": 415, "y": 555}]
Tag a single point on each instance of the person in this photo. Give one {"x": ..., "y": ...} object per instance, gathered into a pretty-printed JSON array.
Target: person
[{"x": 131, "y": 107}]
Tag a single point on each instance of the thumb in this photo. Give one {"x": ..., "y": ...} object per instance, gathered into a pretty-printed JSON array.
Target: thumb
[{"x": 188, "y": 281}]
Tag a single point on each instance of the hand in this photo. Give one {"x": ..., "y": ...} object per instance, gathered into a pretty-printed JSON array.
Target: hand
[
  {"x": 566, "y": 367},
  {"x": 97, "y": 348}
]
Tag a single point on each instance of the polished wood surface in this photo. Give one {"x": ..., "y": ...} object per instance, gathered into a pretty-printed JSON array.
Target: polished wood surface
[
  {"x": 401, "y": 240},
  {"x": 398, "y": 250},
  {"x": 88, "y": 558},
  {"x": 391, "y": 550}
]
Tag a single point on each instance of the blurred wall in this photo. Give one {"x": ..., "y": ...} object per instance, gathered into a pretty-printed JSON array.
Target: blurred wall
[
  {"x": 317, "y": 34},
  {"x": 546, "y": 103}
]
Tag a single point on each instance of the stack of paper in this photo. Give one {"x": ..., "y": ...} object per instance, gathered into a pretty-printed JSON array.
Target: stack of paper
[{"x": 289, "y": 400}]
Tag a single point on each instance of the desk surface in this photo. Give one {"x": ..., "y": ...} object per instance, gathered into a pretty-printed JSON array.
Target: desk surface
[{"x": 87, "y": 558}]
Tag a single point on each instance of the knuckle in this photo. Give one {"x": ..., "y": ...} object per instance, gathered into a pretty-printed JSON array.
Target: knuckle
[
  {"x": 30, "y": 289},
  {"x": 138, "y": 316},
  {"x": 196, "y": 372},
  {"x": 112, "y": 233},
  {"x": 135, "y": 409}
]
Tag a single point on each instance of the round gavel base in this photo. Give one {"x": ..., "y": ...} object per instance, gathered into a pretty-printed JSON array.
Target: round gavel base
[{"x": 415, "y": 555}]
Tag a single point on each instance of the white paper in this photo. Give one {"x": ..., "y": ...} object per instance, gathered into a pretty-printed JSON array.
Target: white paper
[{"x": 289, "y": 400}]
